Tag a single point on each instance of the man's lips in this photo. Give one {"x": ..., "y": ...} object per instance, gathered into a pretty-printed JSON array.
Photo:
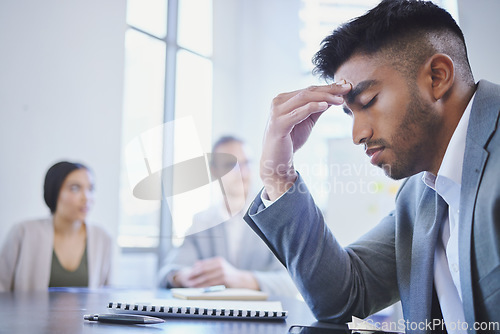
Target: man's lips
[{"x": 374, "y": 154}]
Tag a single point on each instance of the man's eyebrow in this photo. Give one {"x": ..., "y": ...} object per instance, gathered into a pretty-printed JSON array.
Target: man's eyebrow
[{"x": 360, "y": 88}]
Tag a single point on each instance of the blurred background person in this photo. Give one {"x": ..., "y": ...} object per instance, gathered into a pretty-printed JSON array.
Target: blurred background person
[
  {"x": 220, "y": 248},
  {"x": 62, "y": 250}
]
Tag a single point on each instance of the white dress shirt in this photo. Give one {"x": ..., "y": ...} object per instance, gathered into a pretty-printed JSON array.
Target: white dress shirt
[
  {"x": 235, "y": 229},
  {"x": 447, "y": 184}
]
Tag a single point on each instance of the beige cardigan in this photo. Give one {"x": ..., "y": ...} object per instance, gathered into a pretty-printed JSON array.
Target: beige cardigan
[{"x": 26, "y": 256}]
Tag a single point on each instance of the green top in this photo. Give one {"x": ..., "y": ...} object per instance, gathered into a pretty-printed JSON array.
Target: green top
[{"x": 62, "y": 277}]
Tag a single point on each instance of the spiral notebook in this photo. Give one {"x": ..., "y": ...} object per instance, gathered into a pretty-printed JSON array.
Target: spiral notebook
[{"x": 206, "y": 309}]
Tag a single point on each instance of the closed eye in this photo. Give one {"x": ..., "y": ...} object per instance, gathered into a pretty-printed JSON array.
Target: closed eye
[{"x": 369, "y": 104}]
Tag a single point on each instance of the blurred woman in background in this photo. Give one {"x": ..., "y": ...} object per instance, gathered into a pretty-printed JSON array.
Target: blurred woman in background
[{"x": 62, "y": 250}]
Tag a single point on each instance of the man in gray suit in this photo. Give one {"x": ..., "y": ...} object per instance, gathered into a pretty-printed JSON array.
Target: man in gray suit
[
  {"x": 220, "y": 247},
  {"x": 402, "y": 74}
]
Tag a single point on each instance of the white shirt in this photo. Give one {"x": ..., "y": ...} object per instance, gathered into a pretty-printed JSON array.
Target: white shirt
[
  {"x": 235, "y": 228},
  {"x": 447, "y": 184}
]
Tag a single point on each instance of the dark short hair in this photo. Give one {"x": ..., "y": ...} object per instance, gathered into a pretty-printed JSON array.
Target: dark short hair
[
  {"x": 216, "y": 160},
  {"x": 401, "y": 26},
  {"x": 54, "y": 180},
  {"x": 226, "y": 139}
]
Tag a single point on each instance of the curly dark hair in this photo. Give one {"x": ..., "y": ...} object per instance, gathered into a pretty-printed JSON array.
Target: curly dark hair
[{"x": 404, "y": 32}]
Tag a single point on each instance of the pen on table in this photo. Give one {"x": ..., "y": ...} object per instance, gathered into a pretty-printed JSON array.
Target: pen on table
[
  {"x": 126, "y": 319},
  {"x": 214, "y": 288}
]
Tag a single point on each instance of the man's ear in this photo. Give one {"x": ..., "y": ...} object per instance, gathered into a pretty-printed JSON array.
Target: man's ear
[{"x": 442, "y": 74}]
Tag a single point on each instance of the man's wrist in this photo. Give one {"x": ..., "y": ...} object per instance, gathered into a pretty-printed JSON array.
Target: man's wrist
[{"x": 275, "y": 187}]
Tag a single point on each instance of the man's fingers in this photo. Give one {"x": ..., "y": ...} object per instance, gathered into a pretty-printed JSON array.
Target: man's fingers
[
  {"x": 202, "y": 267},
  {"x": 303, "y": 98},
  {"x": 292, "y": 118},
  {"x": 194, "y": 274},
  {"x": 313, "y": 93},
  {"x": 338, "y": 88},
  {"x": 208, "y": 278},
  {"x": 298, "y": 115},
  {"x": 297, "y": 106}
]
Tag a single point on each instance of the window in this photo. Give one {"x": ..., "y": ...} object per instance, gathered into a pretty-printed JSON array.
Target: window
[{"x": 168, "y": 77}]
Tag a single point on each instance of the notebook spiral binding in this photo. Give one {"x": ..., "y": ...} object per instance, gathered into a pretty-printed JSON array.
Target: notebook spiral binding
[{"x": 197, "y": 312}]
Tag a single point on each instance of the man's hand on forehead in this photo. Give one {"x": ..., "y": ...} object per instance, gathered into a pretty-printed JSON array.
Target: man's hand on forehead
[
  {"x": 346, "y": 88},
  {"x": 338, "y": 89},
  {"x": 342, "y": 83},
  {"x": 291, "y": 121}
]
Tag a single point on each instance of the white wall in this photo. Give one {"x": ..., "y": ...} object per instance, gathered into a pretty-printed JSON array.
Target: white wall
[
  {"x": 480, "y": 24},
  {"x": 61, "y": 78}
]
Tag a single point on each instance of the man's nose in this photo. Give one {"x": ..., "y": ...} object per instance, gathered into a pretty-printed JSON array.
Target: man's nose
[{"x": 361, "y": 130}]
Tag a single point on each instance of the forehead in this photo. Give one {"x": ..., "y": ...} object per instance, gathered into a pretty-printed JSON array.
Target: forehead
[
  {"x": 360, "y": 68},
  {"x": 235, "y": 148},
  {"x": 79, "y": 176}
]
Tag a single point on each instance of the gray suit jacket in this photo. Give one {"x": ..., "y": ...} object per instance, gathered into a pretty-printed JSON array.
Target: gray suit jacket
[
  {"x": 395, "y": 259},
  {"x": 254, "y": 255}
]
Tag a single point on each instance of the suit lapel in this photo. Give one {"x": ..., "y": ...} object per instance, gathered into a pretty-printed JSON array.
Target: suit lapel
[
  {"x": 425, "y": 235},
  {"x": 482, "y": 125},
  {"x": 473, "y": 169}
]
